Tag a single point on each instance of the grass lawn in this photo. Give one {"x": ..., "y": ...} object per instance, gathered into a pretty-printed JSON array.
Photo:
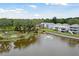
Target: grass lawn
[{"x": 63, "y": 33}]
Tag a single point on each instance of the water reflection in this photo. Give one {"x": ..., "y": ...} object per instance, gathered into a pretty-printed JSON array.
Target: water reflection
[
  {"x": 23, "y": 43},
  {"x": 4, "y": 47},
  {"x": 70, "y": 42}
]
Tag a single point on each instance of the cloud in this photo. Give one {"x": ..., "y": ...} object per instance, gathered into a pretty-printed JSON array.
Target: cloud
[
  {"x": 56, "y": 3},
  {"x": 33, "y": 6},
  {"x": 17, "y": 13},
  {"x": 2, "y": 10},
  {"x": 11, "y": 10},
  {"x": 13, "y": 13},
  {"x": 36, "y": 15}
]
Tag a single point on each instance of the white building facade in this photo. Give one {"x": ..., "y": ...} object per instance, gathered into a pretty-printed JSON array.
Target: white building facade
[
  {"x": 74, "y": 28},
  {"x": 62, "y": 27}
]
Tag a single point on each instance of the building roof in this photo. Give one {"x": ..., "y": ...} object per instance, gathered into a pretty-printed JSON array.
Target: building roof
[{"x": 75, "y": 25}]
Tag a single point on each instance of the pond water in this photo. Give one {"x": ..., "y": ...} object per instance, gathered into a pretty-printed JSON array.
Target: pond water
[{"x": 43, "y": 45}]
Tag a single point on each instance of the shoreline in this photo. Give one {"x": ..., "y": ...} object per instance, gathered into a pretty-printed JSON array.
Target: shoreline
[{"x": 64, "y": 36}]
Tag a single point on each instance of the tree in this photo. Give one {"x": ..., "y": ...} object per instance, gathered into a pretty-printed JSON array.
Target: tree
[
  {"x": 54, "y": 19},
  {"x": 73, "y": 21},
  {"x": 61, "y": 21}
]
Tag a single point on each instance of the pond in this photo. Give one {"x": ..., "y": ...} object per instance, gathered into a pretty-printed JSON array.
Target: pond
[{"x": 43, "y": 45}]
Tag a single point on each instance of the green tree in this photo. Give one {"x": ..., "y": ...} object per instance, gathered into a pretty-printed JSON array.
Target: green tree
[
  {"x": 73, "y": 21},
  {"x": 54, "y": 19}
]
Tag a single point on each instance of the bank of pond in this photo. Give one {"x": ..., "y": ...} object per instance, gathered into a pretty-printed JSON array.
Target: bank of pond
[
  {"x": 61, "y": 34},
  {"x": 14, "y": 35},
  {"x": 7, "y": 46}
]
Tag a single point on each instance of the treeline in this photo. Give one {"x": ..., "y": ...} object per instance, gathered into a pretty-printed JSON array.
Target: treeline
[
  {"x": 14, "y": 22},
  {"x": 19, "y": 24},
  {"x": 30, "y": 24},
  {"x": 74, "y": 20}
]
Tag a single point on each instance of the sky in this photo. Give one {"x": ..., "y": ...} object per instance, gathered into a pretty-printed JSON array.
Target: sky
[{"x": 38, "y": 10}]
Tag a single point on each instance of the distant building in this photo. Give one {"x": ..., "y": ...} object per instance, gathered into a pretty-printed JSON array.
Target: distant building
[
  {"x": 62, "y": 27},
  {"x": 57, "y": 26},
  {"x": 47, "y": 25},
  {"x": 74, "y": 28}
]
